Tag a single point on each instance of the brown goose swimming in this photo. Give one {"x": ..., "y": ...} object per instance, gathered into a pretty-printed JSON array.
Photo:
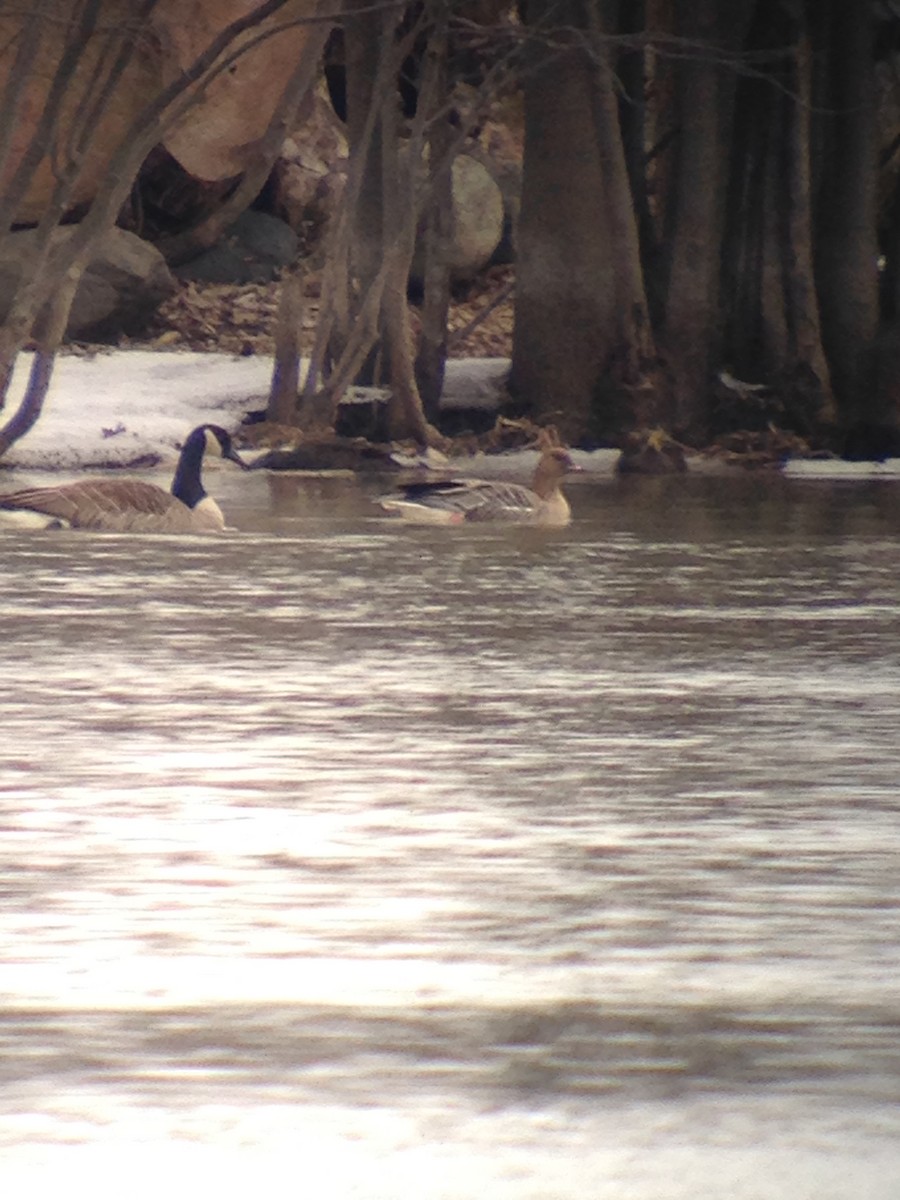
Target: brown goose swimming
[
  {"x": 131, "y": 505},
  {"x": 453, "y": 501}
]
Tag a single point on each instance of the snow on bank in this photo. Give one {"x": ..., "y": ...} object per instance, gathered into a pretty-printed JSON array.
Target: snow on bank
[
  {"x": 837, "y": 468},
  {"x": 113, "y": 408},
  {"x": 116, "y": 407}
]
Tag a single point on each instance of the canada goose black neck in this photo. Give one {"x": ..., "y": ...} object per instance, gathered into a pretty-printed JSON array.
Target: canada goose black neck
[{"x": 187, "y": 486}]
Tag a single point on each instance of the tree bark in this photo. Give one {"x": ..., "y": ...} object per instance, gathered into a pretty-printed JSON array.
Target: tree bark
[
  {"x": 773, "y": 315},
  {"x": 431, "y": 359},
  {"x": 803, "y": 305},
  {"x": 49, "y": 330},
  {"x": 437, "y": 226},
  {"x": 636, "y": 353},
  {"x": 565, "y": 319},
  {"x": 691, "y": 327},
  {"x": 368, "y": 325},
  {"x": 283, "y": 394},
  {"x": 846, "y": 248}
]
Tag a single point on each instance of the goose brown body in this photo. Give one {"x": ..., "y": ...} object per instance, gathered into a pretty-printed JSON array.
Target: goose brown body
[
  {"x": 454, "y": 501},
  {"x": 133, "y": 505}
]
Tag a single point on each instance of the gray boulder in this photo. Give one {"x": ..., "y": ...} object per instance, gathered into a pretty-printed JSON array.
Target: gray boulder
[
  {"x": 253, "y": 250},
  {"x": 477, "y": 220},
  {"x": 122, "y": 286}
]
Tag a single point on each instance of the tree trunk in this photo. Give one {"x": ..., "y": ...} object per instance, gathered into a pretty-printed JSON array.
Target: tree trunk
[
  {"x": 691, "y": 321},
  {"x": 636, "y": 354},
  {"x": 772, "y": 334},
  {"x": 364, "y": 294},
  {"x": 846, "y": 248},
  {"x": 282, "y": 406},
  {"x": 370, "y": 73},
  {"x": 431, "y": 359},
  {"x": 774, "y": 348},
  {"x": 632, "y": 103},
  {"x": 48, "y": 334},
  {"x": 565, "y": 320},
  {"x": 437, "y": 227},
  {"x": 405, "y": 415},
  {"x": 812, "y": 372}
]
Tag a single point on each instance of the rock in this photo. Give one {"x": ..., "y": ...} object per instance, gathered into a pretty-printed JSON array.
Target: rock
[
  {"x": 308, "y": 182},
  {"x": 218, "y": 136},
  {"x": 124, "y": 283},
  {"x": 508, "y": 177},
  {"x": 254, "y": 250},
  {"x": 308, "y": 179},
  {"x": 500, "y": 150},
  {"x": 139, "y": 83},
  {"x": 477, "y": 219},
  {"x": 166, "y": 200}
]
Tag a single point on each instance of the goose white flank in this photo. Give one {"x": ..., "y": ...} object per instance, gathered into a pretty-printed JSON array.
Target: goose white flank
[
  {"x": 454, "y": 501},
  {"x": 131, "y": 505}
]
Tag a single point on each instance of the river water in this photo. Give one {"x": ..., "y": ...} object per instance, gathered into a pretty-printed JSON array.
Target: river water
[{"x": 341, "y": 859}]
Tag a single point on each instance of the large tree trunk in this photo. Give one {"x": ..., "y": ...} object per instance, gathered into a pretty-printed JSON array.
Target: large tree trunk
[
  {"x": 692, "y": 324},
  {"x": 583, "y": 348},
  {"x": 631, "y": 70},
  {"x": 770, "y": 310},
  {"x": 565, "y": 319},
  {"x": 639, "y": 403},
  {"x": 846, "y": 247},
  {"x": 811, "y": 374}
]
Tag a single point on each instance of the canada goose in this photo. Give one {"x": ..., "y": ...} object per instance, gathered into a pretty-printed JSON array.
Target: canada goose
[
  {"x": 453, "y": 501},
  {"x": 131, "y": 505}
]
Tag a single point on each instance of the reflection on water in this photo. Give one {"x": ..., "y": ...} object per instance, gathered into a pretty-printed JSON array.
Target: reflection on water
[{"x": 559, "y": 862}]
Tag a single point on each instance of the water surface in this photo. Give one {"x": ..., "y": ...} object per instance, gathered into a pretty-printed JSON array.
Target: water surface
[{"x": 345, "y": 859}]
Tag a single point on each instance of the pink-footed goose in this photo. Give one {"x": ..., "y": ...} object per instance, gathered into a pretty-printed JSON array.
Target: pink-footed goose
[
  {"x": 131, "y": 505},
  {"x": 453, "y": 501}
]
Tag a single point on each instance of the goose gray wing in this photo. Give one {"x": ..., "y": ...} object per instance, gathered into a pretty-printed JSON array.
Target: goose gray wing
[
  {"x": 477, "y": 499},
  {"x": 116, "y": 505},
  {"x": 498, "y": 501},
  {"x": 463, "y": 500}
]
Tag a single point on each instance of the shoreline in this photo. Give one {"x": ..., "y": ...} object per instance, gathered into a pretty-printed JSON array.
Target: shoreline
[{"x": 110, "y": 408}]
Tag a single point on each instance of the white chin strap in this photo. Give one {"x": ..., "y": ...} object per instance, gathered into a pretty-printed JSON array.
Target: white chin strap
[{"x": 213, "y": 446}]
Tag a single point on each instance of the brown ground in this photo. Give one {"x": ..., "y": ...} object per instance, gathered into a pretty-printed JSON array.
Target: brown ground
[{"x": 240, "y": 319}]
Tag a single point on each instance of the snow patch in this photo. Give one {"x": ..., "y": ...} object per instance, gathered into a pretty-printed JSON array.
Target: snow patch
[
  {"x": 112, "y": 409},
  {"x": 115, "y": 408},
  {"x": 838, "y": 468}
]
